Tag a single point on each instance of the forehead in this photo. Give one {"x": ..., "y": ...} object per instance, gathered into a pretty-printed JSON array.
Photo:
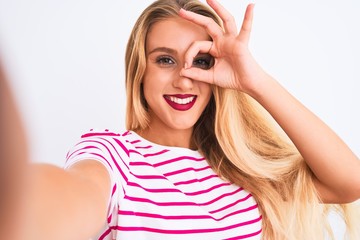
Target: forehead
[{"x": 174, "y": 33}]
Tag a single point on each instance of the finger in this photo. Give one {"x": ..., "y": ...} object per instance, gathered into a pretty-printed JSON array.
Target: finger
[
  {"x": 226, "y": 17},
  {"x": 245, "y": 30},
  {"x": 196, "y": 48},
  {"x": 211, "y": 27},
  {"x": 197, "y": 74}
]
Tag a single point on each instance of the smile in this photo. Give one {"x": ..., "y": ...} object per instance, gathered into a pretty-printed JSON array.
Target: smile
[{"x": 180, "y": 102}]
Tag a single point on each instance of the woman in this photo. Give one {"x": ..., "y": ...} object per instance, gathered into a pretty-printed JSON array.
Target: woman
[{"x": 198, "y": 160}]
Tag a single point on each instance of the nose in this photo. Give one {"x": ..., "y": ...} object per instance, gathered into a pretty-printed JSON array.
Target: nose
[{"x": 183, "y": 83}]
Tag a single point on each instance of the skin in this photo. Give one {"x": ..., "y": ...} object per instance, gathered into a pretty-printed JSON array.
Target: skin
[
  {"x": 86, "y": 186},
  {"x": 166, "y": 50},
  {"x": 13, "y": 157},
  {"x": 334, "y": 165},
  {"x": 80, "y": 195}
]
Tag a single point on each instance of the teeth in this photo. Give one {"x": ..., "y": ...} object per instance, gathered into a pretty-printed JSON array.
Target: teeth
[{"x": 182, "y": 100}]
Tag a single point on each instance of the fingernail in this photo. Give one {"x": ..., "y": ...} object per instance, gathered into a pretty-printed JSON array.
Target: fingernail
[
  {"x": 182, "y": 10},
  {"x": 186, "y": 66}
]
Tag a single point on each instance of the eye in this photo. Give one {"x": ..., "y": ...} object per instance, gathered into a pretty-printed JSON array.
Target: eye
[
  {"x": 203, "y": 62},
  {"x": 165, "y": 60}
]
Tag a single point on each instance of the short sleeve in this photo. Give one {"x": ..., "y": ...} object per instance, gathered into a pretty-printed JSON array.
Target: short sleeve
[{"x": 109, "y": 149}]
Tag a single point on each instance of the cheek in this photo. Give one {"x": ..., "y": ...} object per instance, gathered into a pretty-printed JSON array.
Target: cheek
[
  {"x": 152, "y": 89},
  {"x": 206, "y": 90},
  {"x": 148, "y": 83},
  {"x": 156, "y": 81}
]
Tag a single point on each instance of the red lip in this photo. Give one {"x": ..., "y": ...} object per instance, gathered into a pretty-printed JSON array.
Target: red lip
[{"x": 180, "y": 107}]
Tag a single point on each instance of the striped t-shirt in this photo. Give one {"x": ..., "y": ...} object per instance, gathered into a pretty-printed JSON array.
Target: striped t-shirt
[{"x": 161, "y": 192}]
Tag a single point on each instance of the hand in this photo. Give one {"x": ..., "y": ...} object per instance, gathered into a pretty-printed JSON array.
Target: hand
[{"x": 234, "y": 65}]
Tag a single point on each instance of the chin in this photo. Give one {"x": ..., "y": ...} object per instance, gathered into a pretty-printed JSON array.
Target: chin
[{"x": 183, "y": 126}]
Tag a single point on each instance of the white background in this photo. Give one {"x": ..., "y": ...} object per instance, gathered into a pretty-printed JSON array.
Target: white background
[{"x": 65, "y": 60}]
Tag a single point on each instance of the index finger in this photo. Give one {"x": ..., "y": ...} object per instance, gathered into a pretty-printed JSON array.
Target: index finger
[
  {"x": 225, "y": 15},
  {"x": 212, "y": 28}
]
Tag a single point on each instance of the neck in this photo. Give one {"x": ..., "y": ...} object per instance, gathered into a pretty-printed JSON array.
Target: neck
[{"x": 169, "y": 137}]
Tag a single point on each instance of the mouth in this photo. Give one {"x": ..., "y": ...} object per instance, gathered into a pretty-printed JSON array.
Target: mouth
[{"x": 181, "y": 102}]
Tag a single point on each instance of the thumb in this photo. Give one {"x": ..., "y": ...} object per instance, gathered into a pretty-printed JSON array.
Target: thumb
[{"x": 198, "y": 74}]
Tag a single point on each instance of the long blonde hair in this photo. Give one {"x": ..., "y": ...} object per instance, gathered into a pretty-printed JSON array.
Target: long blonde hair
[{"x": 240, "y": 144}]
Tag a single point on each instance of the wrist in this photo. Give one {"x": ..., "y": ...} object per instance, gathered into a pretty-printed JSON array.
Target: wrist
[{"x": 262, "y": 83}]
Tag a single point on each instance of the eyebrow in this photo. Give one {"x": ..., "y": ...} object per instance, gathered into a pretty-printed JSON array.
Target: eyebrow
[{"x": 163, "y": 49}]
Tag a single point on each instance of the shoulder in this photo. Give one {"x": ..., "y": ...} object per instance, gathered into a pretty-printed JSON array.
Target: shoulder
[
  {"x": 107, "y": 139},
  {"x": 110, "y": 148},
  {"x": 102, "y": 145}
]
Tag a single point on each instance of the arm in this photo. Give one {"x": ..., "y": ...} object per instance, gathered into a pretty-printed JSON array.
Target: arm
[
  {"x": 66, "y": 204},
  {"x": 335, "y": 167}
]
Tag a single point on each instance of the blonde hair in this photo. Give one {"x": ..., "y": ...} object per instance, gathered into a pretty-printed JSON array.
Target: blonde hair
[{"x": 240, "y": 144}]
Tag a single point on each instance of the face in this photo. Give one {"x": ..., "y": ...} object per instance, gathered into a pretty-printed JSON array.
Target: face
[{"x": 174, "y": 102}]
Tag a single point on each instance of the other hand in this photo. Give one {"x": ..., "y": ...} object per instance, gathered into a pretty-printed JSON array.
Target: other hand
[{"x": 234, "y": 66}]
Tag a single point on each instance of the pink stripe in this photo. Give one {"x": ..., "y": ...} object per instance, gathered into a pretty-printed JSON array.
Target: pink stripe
[
  {"x": 112, "y": 195},
  {"x": 97, "y": 141},
  {"x": 190, "y": 231},
  {"x": 178, "y": 159},
  {"x": 134, "y": 151},
  {"x": 239, "y": 211},
  {"x": 145, "y": 200},
  {"x": 126, "y": 133},
  {"x": 155, "y": 154},
  {"x": 99, "y": 134},
  {"x": 111, "y": 155},
  {"x": 113, "y": 190},
  {"x": 143, "y": 147},
  {"x": 104, "y": 235},
  {"x": 140, "y": 164},
  {"x": 230, "y": 205},
  {"x": 122, "y": 146},
  {"x": 95, "y": 154},
  {"x": 159, "y": 190},
  {"x": 148, "y": 176},
  {"x": 245, "y": 236},
  {"x": 163, "y": 190},
  {"x": 90, "y": 147},
  {"x": 114, "y": 160},
  {"x": 169, "y": 217},
  {"x": 186, "y": 170},
  {"x": 195, "y": 180},
  {"x": 220, "y": 197},
  {"x": 183, "y": 217},
  {"x": 86, "y": 147},
  {"x": 207, "y": 190},
  {"x": 109, "y": 218},
  {"x": 135, "y": 141}
]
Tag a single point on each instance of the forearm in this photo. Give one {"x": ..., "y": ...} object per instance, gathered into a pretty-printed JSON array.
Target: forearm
[
  {"x": 336, "y": 168},
  {"x": 330, "y": 159},
  {"x": 60, "y": 205}
]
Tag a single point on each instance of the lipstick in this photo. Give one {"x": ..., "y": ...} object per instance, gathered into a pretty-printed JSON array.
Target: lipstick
[{"x": 180, "y": 102}]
